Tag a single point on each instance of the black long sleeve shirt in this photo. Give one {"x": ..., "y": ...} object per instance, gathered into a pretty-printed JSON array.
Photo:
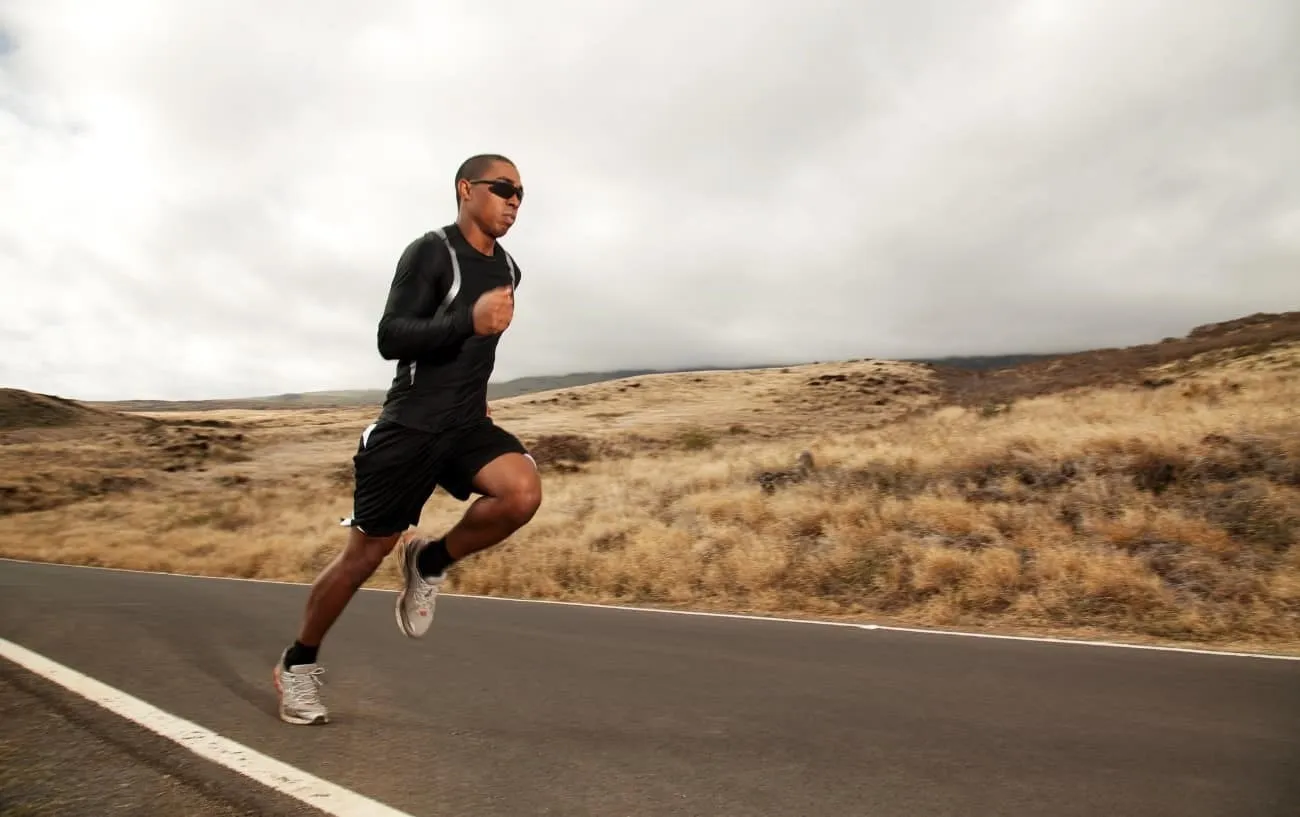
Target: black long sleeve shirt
[{"x": 442, "y": 366}]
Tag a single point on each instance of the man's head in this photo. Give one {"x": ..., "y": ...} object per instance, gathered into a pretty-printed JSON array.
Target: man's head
[{"x": 488, "y": 192}]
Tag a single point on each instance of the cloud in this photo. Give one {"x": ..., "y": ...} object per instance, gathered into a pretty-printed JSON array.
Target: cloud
[{"x": 208, "y": 199}]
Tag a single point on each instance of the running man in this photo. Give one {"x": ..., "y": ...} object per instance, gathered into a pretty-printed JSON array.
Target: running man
[{"x": 451, "y": 298}]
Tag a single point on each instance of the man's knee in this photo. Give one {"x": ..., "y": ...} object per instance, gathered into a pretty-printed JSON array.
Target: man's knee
[
  {"x": 513, "y": 482},
  {"x": 367, "y": 552},
  {"x": 522, "y": 496}
]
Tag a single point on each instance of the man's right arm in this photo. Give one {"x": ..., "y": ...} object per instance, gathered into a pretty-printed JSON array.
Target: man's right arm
[{"x": 405, "y": 330}]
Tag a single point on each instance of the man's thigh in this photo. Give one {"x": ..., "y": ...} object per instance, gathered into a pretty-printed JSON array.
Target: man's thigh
[{"x": 482, "y": 444}]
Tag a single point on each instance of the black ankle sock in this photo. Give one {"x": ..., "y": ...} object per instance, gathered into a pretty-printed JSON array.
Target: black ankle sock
[
  {"x": 433, "y": 559},
  {"x": 300, "y": 653}
]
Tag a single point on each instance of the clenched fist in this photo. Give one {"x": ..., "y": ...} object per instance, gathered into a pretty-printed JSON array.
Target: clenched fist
[{"x": 493, "y": 311}]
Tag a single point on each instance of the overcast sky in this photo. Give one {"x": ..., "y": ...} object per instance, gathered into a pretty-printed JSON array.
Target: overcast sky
[{"x": 207, "y": 199}]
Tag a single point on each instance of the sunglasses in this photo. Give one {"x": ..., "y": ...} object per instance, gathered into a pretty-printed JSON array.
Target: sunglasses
[{"x": 502, "y": 188}]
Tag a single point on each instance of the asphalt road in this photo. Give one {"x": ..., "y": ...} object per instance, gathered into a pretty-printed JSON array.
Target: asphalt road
[
  {"x": 509, "y": 708},
  {"x": 61, "y": 755}
]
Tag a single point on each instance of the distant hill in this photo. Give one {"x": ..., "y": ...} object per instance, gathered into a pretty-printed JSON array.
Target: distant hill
[
  {"x": 318, "y": 399},
  {"x": 29, "y": 410},
  {"x": 1090, "y": 365},
  {"x": 982, "y": 363},
  {"x": 362, "y": 397},
  {"x": 347, "y": 398}
]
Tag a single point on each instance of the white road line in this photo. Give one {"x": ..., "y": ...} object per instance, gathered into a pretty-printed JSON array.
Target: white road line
[
  {"x": 1081, "y": 642},
  {"x": 315, "y": 792},
  {"x": 1075, "y": 642}
]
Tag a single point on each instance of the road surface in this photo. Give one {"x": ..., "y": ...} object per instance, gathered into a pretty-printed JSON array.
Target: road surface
[
  {"x": 512, "y": 708},
  {"x": 62, "y": 755}
]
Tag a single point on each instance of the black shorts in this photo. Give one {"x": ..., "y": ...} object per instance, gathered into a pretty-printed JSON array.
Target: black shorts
[{"x": 397, "y": 469}]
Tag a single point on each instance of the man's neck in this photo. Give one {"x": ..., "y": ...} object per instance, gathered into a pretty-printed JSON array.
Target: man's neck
[{"x": 475, "y": 236}]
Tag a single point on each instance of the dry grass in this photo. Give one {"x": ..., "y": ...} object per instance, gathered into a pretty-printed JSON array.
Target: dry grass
[
  {"x": 766, "y": 403},
  {"x": 1170, "y": 511}
]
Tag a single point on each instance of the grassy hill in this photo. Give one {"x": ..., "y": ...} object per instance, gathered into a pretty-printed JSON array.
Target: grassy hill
[
  {"x": 24, "y": 410},
  {"x": 1143, "y": 493}
]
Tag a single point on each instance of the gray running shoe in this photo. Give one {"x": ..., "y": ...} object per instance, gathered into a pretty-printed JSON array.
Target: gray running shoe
[
  {"x": 299, "y": 690},
  {"x": 414, "y": 607}
]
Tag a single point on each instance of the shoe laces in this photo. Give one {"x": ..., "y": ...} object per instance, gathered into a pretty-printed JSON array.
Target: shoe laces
[
  {"x": 427, "y": 588},
  {"x": 304, "y": 686}
]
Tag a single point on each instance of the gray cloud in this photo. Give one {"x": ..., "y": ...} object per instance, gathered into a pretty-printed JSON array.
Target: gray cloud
[{"x": 212, "y": 204}]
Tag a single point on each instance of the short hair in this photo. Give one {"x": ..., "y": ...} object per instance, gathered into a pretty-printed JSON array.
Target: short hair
[{"x": 475, "y": 166}]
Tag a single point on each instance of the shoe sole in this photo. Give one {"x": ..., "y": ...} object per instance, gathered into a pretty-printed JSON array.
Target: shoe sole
[
  {"x": 285, "y": 716},
  {"x": 405, "y": 563}
]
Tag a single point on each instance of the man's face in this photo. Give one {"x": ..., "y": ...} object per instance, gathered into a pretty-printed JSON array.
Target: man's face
[{"x": 494, "y": 198}]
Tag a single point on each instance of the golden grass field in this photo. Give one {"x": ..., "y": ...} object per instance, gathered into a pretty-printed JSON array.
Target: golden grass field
[{"x": 1169, "y": 511}]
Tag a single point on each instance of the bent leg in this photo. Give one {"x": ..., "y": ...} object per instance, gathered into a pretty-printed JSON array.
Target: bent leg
[
  {"x": 511, "y": 495},
  {"x": 490, "y": 462}
]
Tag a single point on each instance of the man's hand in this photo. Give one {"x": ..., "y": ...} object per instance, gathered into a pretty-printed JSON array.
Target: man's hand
[{"x": 493, "y": 311}]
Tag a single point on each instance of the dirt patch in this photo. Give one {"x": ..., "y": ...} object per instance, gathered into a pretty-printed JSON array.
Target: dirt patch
[
  {"x": 37, "y": 494},
  {"x": 87, "y": 460},
  {"x": 566, "y": 453}
]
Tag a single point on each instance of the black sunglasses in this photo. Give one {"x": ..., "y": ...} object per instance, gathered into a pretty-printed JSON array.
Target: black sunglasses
[{"x": 502, "y": 188}]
